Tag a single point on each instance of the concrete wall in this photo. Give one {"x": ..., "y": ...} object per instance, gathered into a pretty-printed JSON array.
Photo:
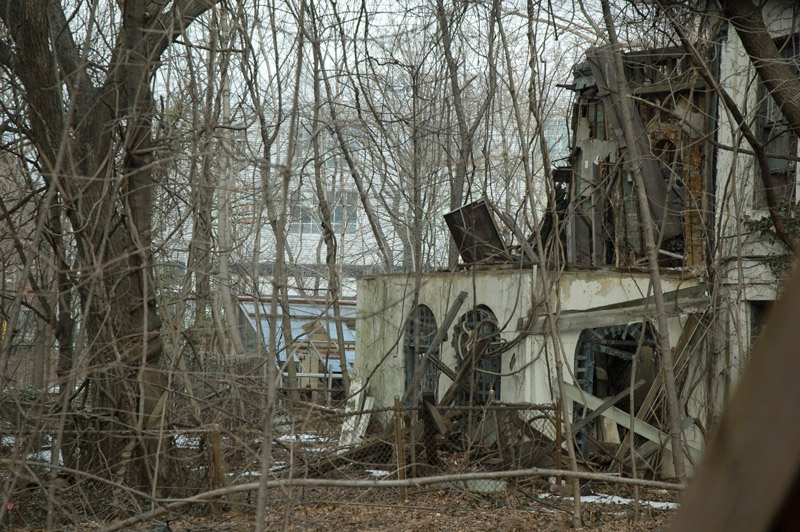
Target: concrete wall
[{"x": 384, "y": 302}]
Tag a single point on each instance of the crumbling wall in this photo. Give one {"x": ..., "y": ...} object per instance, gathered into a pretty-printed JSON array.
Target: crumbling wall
[{"x": 671, "y": 109}]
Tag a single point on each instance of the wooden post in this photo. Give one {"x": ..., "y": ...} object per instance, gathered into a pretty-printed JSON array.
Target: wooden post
[
  {"x": 398, "y": 438},
  {"x": 490, "y": 410},
  {"x": 558, "y": 440},
  {"x": 219, "y": 470}
]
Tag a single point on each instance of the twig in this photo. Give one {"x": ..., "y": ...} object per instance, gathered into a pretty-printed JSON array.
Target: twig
[{"x": 208, "y": 496}]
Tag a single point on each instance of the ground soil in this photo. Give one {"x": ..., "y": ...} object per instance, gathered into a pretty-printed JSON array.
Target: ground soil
[{"x": 519, "y": 508}]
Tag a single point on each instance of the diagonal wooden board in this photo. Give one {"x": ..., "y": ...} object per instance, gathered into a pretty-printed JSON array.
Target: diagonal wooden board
[
  {"x": 623, "y": 418},
  {"x": 607, "y": 403}
]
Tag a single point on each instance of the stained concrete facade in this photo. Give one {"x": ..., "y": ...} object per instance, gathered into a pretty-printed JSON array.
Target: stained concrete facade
[{"x": 515, "y": 297}]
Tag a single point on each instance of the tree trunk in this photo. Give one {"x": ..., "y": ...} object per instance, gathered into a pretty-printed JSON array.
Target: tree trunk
[{"x": 648, "y": 229}]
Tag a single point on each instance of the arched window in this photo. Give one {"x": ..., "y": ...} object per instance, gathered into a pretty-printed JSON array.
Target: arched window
[
  {"x": 477, "y": 334},
  {"x": 420, "y": 330},
  {"x": 603, "y": 364}
]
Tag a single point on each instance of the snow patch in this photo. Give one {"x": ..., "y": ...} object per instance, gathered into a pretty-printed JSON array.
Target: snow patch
[
  {"x": 614, "y": 499},
  {"x": 183, "y": 441}
]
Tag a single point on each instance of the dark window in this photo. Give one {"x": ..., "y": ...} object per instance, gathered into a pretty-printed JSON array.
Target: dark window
[
  {"x": 420, "y": 330},
  {"x": 759, "y": 312},
  {"x": 595, "y": 115}
]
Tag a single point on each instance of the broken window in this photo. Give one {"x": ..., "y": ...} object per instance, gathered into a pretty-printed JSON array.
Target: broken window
[
  {"x": 593, "y": 112},
  {"x": 603, "y": 363},
  {"x": 773, "y": 131},
  {"x": 420, "y": 330},
  {"x": 476, "y": 336}
]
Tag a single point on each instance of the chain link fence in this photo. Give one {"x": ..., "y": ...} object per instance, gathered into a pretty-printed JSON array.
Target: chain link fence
[{"x": 214, "y": 439}]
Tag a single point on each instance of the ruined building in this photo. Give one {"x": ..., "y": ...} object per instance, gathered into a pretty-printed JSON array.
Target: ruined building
[{"x": 508, "y": 316}]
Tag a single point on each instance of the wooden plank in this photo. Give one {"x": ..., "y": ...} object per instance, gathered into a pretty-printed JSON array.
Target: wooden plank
[
  {"x": 693, "y": 323},
  {"x": 649, "y": 447},
  {"x": 608, "y": 403},
  {"x": 467, "y": 367},
  {"x": 441, "y": 366},
  {"x": 593, "y": 318},
  {"x": 355, "y": 425},
  {"x": 442, "y": 425},
  {"x": 623, "y": 418}
]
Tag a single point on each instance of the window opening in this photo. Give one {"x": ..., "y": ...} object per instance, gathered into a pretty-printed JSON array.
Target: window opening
[
  {"x": 420, "y": 330},
  {"x": 477, "y": 334},
  {"x": 780, "y": 143},
  {"x": 603, "y": 363}
]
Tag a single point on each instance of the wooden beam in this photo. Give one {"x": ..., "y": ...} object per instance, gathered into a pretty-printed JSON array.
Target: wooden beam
[
  {"x": 623, "y": 418},
  {"x": 679, "y": 302},
  {"x": 649, "y": 447},
  {"x": 441, "y": 366},
  {"x": 467, "y": 367},
  {"x": 608, "y": 403}
]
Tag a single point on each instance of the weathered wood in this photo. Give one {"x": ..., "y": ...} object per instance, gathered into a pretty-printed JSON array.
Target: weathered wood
[
  {"x": 604, "y": 317},
  {"x": 644, "y": 451},
  {"x": 608, "y": 403},
  {"x": 621, "y": 418},
  {"x": 466, "y": 369},
  {"x": 443, "y": 425},
  {"x": 441, "y": 366},
  {"x": 355, "y": 425},
  {"x": 399, "y": 443},
  {"x": 682, "y": 350},
  {"x": 437, "y": 340},
  {"x": 693, "y": 322}
]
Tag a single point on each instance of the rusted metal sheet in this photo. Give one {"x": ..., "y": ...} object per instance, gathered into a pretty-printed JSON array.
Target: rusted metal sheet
[{"x": 475, "y": 233}]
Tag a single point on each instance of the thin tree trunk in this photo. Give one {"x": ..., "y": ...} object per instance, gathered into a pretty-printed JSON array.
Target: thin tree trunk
[
  {"x": 648, "y": 229},
  {"x": 325, "y": 212},
  {"x": 224, "y": 190},
  {"x": 466, "y": 132}
]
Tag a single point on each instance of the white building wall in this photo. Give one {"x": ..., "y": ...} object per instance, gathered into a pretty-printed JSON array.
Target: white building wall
[{"x": 514, "y": 296}]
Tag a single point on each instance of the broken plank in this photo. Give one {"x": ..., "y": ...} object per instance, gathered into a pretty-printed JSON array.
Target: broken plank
[
  {"x": 693, "y": 322},
  {"x": 466, "y": 368},
  {"x": 608, "y": 403},
  {"x": 644, "y": 451},
  {"x": 443, "y": 425},
  {"x": 623, "y": 418},
  {"x": 441, "y": 366}
]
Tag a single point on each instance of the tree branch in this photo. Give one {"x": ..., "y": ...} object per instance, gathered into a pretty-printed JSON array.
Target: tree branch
[
  {"x": 172, "y": 23},
  {"x": 8, "y": 58},
  {"x": 772, "y": 68}
]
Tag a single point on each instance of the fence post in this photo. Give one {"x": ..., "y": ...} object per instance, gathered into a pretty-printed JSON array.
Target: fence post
[
  {"x": 557, "y": 415},
  {"x": 398, "y": 438}
]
